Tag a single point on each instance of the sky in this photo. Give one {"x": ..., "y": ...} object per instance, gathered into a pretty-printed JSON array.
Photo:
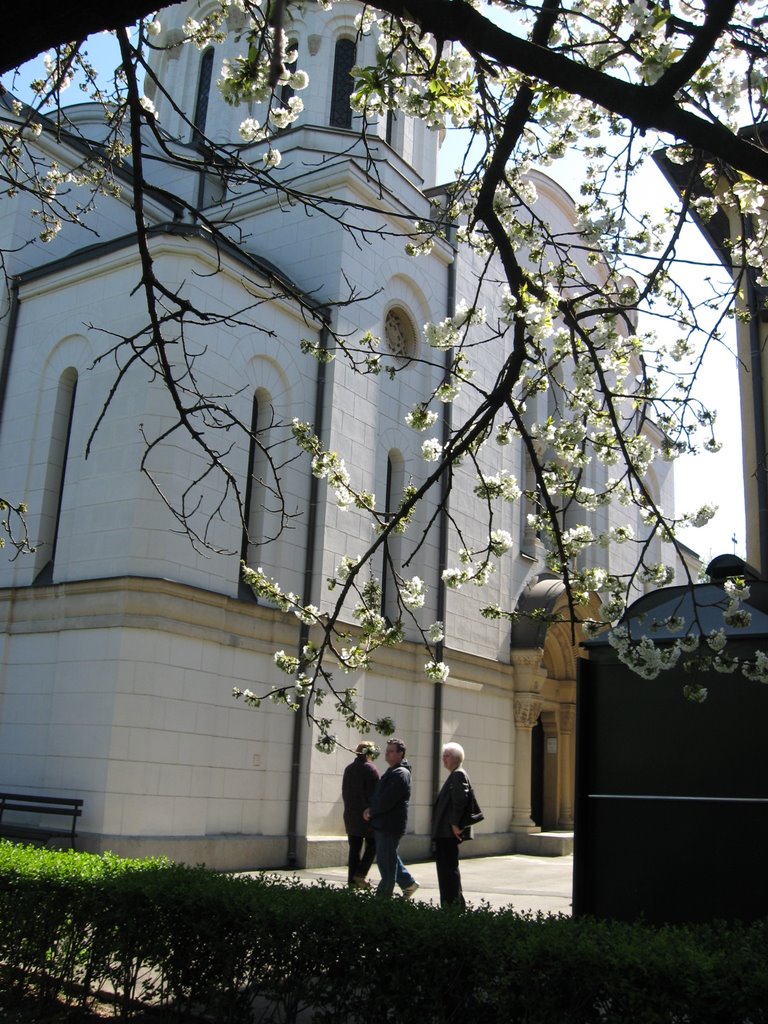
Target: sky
[
  {"x": 717, "y": 478},
  {"x": 707, "y": 478}
]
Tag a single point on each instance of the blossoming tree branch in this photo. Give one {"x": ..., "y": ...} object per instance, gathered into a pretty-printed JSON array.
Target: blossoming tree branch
[{"x": 528, "y": 84}]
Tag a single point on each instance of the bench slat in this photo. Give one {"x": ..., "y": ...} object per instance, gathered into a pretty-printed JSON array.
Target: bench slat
[
  {"x": 39, "y": 809},
  {"x": 33, "y": 798},
  {"x": 26, "y": 803}
]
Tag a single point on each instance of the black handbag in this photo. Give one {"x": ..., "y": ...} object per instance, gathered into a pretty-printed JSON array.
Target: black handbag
[{"x": 472, "y": 815}]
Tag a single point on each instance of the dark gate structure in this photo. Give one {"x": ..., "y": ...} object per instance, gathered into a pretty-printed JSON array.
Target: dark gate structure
[{"x": 672, "y": 796}]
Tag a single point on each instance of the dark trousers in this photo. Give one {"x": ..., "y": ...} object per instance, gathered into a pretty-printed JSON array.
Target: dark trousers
[
  {"x": 448, "y": 877},
  {"x": 358, "y": 865}
]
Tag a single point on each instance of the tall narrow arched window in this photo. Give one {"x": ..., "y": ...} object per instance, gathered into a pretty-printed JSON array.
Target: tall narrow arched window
[
  {"x": 391, "y": 118},
  {"x": 55, "y": 473},
  {"x": 529, "y": 535},
  {"x": 257, "y": 489},
  {"x": 599, "y": 519},
  {"x": 287, "y": 90},
  {"x": 343, "y": 62},
  {"x": 393, "y": 553},
  {"x": 204, "y": 79}
]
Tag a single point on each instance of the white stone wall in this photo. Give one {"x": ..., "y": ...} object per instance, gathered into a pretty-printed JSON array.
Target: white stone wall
[
  {"x": 133, "y": 710},
  {"x": 113, "y": 522}
]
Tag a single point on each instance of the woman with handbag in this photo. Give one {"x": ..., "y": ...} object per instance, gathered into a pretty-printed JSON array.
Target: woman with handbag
[{"x": 449, "y": 825}]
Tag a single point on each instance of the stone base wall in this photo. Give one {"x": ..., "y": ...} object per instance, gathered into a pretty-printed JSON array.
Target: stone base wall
[
  {"x": 220, "y": 853},
  {"x": 254, "y": 853}
]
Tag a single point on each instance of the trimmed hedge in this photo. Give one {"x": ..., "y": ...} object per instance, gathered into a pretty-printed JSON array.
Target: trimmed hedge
[{"x": 234, "y": 949}]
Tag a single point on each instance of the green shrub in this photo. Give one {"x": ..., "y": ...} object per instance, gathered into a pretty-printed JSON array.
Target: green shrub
[{"x": 196, "y": 943}]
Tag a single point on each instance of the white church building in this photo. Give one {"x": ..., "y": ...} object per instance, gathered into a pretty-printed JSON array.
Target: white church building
[{"x": 120, "y": 640}]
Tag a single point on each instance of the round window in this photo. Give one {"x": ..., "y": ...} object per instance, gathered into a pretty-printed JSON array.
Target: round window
[{"x": 399, "y": 334}]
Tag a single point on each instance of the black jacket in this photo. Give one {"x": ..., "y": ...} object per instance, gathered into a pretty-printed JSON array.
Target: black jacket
[
  {"x": 450, "y": 805},
  {"x": 357, "y": 786},
  {"x": 389, "y": 803}
]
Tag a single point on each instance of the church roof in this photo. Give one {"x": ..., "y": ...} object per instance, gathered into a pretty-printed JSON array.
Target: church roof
[
  {"x": 701, "y": 607},
  {"x": 255, "y": 264}
]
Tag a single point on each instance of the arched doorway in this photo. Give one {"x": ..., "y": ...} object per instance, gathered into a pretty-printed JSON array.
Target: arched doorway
[{"x": 544, "y": 654}]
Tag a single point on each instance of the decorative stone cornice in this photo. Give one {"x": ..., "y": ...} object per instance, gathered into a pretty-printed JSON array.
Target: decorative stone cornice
[
  {"x": 140, "y": 602},
  {"x": 530, "y": 658}
]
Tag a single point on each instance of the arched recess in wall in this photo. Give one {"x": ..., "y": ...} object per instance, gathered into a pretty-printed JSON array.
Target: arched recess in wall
[
  {"x": 393, "y": 132},
  {"x": 269, "y": 422},
  {"x": 544, "y": 597},
  {"x": 55, "y": 476},
  {"x": 390, "y": 129},
  {"x": 402, "y": 290},
  {"x": 530, "y": 535},
  {"x": 400, "y": 334},
  {"x": 344, "y": 58},
  {"x": 260, "y": 487},
  {"x": 406, "y": 307},
  {"x": 203, "y": 96}
]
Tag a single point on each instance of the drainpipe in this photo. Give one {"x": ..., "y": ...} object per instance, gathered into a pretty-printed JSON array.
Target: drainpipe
[
  {"x": 309, "y": 561},
  {"x": 10, "y": 341},
  {"x": 758, "y": 407},
  {"x": 437, "y": 700}
]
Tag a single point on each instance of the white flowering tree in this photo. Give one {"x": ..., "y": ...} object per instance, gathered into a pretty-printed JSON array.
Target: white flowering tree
[{"x": 528, "y": 84}]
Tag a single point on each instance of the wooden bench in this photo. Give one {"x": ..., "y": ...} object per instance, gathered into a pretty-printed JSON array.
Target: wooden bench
[{"x": 57, "y": 807}]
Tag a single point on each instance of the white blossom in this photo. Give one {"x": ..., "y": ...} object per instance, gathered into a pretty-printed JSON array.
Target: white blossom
[
  {"x": 436, "y": 670},
  {"x": 454, "y": 578},
  {"x": 413, "y": 593},
  {"x": 421, "y": 418},
  {"x": 431, "y": 450},
  {"x": 500, "y": 542},
  {"x": 250, "y": 130},
  {"x": 498, "y": 485}
]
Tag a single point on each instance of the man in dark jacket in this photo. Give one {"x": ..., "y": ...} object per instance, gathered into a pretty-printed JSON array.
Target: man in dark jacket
[
  {"x": 357, "y": 786},
  {"x": 388, "y": 813}
]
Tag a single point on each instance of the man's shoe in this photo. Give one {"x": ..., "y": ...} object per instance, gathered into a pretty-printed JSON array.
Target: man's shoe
[
  {"x": 361, "y": 883},
  {"x": 410, "y": 891}
]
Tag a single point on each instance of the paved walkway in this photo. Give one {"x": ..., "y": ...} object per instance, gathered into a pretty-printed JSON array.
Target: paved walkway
[{"x": 522, "y": 882}]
